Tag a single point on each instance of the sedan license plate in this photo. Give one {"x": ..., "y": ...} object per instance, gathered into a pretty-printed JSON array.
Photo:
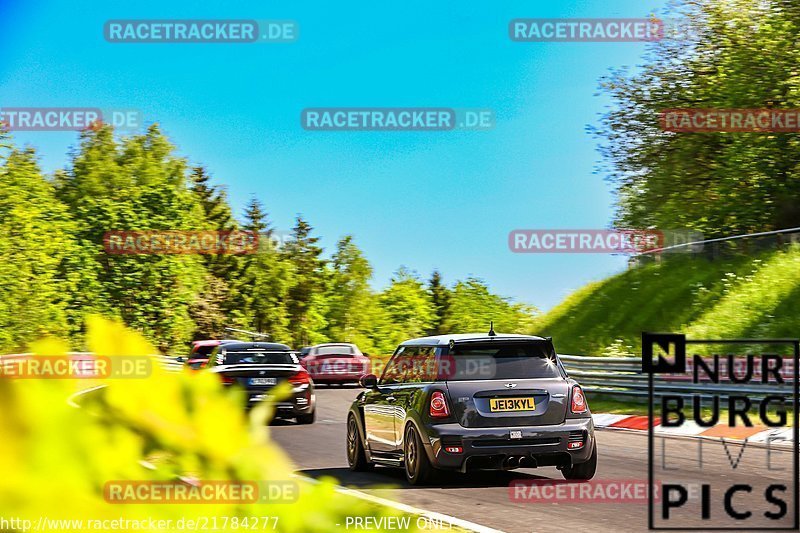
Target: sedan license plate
[
  {"x": 263, "y": 381},
  {"x": 498, "y": 405}
]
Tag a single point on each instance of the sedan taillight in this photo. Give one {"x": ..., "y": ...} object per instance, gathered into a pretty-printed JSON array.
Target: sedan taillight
[
  {"x": 578, "y": 404},
  {"x": 439, "y": 407},
  {"x": 227, "y": 380},
  {"x": 300, "y": 378}
]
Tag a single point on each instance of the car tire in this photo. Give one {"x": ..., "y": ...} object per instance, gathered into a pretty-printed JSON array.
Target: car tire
[
  {"x": 307, "y": 419},
  {"x": 356, "y": 457},
  {"x": 582, "y": 471},
  {"x": 416, "y": 464}
]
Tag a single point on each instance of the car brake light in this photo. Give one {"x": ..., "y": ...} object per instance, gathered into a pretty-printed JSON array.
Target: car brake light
[
  {"x": 439, "y": 407},
  {"x": 227, "y": 380},
  {"x": 454, "y": 449},
  {"x": 578, "y": 404},
  {"x": 300, "y": 378}
]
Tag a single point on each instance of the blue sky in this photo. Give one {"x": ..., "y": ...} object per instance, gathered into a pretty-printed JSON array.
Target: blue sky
[{"x": 425, "y": 200}]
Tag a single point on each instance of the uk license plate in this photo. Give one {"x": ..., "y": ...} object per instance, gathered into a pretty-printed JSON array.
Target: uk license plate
[
  {"x": 499, "y": 405},
  {"x": 263, "y": 381}
]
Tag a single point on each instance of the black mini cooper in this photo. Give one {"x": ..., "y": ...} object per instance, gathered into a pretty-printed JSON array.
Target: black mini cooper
[{"x": 474, "y": 401}]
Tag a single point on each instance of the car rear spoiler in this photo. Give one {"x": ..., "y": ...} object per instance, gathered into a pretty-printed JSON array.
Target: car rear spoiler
[
  {"x": 546, "y": 341},
  {"x": 549, "y": 340}
]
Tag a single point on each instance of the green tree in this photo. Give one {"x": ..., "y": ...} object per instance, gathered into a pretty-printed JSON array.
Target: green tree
[
  {"x": 349, "y": 296},
  {"x": 734, "y": 54},
  {"x": 306, "y": 304},
  {"x": 408, "y": 309},
  {"x": 216, "y": 211},
  {"x": 35, "y": 240},
  {"x": 134, "y": 184},
  {"x": 256, "y": 218},
  {"x": 473, "y": 306},
  {"x": 207, "y": 309},
  {"x": 212, "y": 308},
  {"x": 440, "y": 297},
  {"x": 265, "y": 280},
  {"x": 57, "y": 269}
]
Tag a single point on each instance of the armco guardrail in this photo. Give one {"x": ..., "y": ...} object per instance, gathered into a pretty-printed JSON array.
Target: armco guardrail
[
  {"x": 608, "y": 375},
  {"x": 623, "y": 376},
  {"x": 169, "y": 363}
]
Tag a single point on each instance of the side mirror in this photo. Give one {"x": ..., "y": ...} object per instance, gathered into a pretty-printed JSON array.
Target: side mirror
[
  {"x": 369, "y": 381},
  {"x": 180, "y": 359}
]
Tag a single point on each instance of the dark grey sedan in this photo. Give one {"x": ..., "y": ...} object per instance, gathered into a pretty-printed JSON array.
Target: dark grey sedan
[
  {"x": 474, "y": 401},
  {"x": 257, "y": 367}
]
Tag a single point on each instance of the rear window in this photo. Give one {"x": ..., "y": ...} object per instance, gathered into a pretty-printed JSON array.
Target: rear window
[
  {"x": 335, "y": 350},
  {"x": 261, "y": 358},
  {"x": 202, "y": 352},
  {"x": 498, "y": 361}
]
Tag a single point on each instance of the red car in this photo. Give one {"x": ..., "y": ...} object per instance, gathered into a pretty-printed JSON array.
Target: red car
[
  {"x": 201, "y": 350},
  {"x": 336, "y": 363}
]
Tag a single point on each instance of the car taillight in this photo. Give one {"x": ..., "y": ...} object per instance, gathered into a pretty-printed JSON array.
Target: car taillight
[
  {"x": 300, "y": 378},
  {"x": 227, "y": 380},
  {"x": 439, "y": 407},
  {"x": 578, "y": 404}
]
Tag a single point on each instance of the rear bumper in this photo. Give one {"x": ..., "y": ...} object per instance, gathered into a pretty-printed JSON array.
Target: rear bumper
[
  {"x": 344, "y": 377},
  {"x": 300, "y": 402},
  {"x": 495, "y": 449}
]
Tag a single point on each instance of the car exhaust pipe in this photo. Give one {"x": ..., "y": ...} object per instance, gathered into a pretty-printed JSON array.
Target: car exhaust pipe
[
  {"x": 512, "y": 461},
  {"x": 528, "y": 462}
]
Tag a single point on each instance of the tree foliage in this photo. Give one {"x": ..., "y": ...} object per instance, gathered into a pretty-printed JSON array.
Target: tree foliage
[
  {"x": 349, "y": 296},
  {"x": 732, "y": 54},
  {"x": 134, "y": 184},
  {"x": 473, "y": 307},
  {"x": 56, "y": 271},
  {"x": 440, "y": 298},
  {"x": 34, "y": 243}
]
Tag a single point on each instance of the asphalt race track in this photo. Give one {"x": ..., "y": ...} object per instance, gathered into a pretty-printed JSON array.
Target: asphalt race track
[{"x": 483, "y": 498}]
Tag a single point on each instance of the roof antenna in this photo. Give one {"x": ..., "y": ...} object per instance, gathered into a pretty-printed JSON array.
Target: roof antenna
[{"x": 491, "y": 329}]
